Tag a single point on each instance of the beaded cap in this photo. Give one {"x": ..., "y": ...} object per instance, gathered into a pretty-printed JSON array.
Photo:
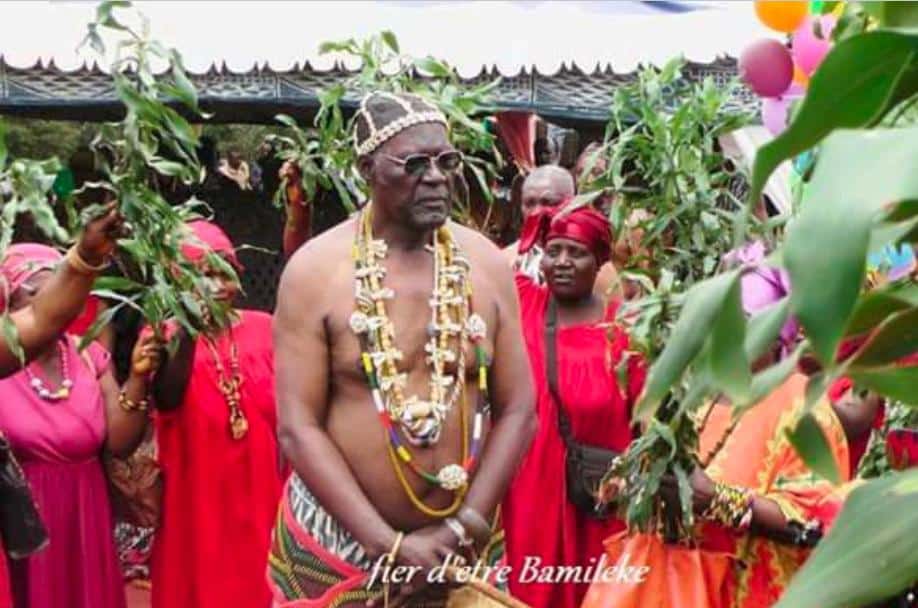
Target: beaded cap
[{"x": 384, "y": 115}]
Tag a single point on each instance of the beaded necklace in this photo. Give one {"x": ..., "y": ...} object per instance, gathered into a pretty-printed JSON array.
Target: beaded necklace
[
  {"x": 63, "y": 391},
  {"x": 230, "y": 386},
  {"x": 421, "y": 421}
]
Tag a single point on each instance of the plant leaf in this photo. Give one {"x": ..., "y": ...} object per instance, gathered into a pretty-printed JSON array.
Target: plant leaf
[
  {"x": 811, "y": 444},
  {"x": 11, "y": 337},
  {"x": 858, "y": 173},
  {"x": 764, "y": 328},
  {"x": 895, "y": 382},
  {"x": 878, "y": 304},
  {"x": 893, "y": 339},
  {"x": 866, "y": 558},
  {"x": 391, "y": 41},
  {"x": 702, "y": 305},
  {"x": 728, "y": 363}
]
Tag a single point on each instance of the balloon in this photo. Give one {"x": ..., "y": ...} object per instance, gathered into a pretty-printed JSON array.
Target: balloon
[
  {"x": 808, "y": 50},
  {"x": 775, "y": 109},
  {"x": 782, "y": 16},
  {"x": 799, "y": 77},
  {"x": 774, "y": 113},
  {"x": 766, "y": 66}
]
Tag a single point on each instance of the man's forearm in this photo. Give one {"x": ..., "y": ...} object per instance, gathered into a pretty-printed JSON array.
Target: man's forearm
[
  {"x": 505, "y": 447},
  {"x": 323, "y": 469}
]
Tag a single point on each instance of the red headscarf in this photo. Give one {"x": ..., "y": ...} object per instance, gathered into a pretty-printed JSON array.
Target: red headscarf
[
  {"x": 584, "y": 225},
  {"x": 207, "y": 237},
  {"x": 22, "y": 262}
]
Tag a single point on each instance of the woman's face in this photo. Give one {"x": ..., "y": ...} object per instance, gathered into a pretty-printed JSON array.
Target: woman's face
[
  {"x": 222, "y": 286},
  {"x": 23, "y": 296},
  {"x": 569, "y": 269}
]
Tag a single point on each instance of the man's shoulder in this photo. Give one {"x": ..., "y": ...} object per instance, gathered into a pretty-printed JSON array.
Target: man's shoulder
[
  {"x": 484, "y": 255},
  {"x": 474, "y": 242},
  {"x": 318, "y": 266}
]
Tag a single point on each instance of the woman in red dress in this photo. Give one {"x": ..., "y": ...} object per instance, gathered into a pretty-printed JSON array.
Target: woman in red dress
[
  {"x": 591, "y": 352},
  {"x": 215, "y": 433}
]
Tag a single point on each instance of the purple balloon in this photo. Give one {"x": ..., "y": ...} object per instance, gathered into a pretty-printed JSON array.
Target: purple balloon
[
  {"x": 808, "y": 50},
  {"x": 766, "y": 66}
]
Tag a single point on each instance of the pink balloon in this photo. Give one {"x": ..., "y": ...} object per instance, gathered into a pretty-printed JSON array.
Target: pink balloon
[
  {"x": 808, "y": 50},
  {"x": 774, "y": 113},
  {"x": 775, "y": 110},
  {"x": 766, "y": 66}
]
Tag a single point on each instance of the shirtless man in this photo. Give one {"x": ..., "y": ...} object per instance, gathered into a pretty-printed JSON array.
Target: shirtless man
[
  {"x": 354, "y": 501},
  {"x": 549, "y": 186}
]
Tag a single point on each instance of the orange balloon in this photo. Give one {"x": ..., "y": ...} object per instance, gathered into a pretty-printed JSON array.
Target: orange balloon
[
  {"x": 800, "y": 76},
  {"x": 783, "y": 16}
]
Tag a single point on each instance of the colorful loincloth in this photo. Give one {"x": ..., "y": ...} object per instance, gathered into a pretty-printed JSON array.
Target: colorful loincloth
[{"x": 315, "y": 563}]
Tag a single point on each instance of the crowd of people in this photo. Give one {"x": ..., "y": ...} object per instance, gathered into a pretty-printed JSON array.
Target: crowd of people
[{"x": 419, "y": 395}]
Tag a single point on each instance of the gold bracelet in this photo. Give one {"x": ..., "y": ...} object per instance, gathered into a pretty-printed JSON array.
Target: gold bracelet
[
  {"x": 80, "y": 265},
  {"x": 130, "y": 406}
]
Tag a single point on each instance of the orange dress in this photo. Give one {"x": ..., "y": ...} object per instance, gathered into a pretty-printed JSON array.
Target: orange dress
[
  {"x": 730, "y": 569},
  {"x": 757, "y": 455}
]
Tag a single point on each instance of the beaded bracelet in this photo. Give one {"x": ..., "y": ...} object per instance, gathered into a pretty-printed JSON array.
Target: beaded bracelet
[
  {"x": 730, "y": 506},
  {"x": 80, "y": 265},
  {"x": 130, "y": 406}
]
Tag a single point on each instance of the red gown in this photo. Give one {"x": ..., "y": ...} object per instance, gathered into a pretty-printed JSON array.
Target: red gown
[
  {"x": 539, "y": 521},
  {"x": 220, "y": 494}
]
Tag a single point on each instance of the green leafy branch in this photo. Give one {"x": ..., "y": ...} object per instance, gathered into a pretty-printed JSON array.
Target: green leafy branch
[
  {"x": 25, "y": 189},
  {"x": 862, "y": 194},
  {"x": 153, "y": 139},
  {"x": 324, "y": 153}
]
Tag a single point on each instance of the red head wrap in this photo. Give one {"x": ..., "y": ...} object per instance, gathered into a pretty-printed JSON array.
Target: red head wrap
[
  {"x": 584, "y": 225},
  {"x": 208, "y": 238}
]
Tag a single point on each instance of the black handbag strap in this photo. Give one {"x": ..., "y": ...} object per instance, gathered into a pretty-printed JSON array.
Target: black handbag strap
[{"x": 551, "y": 369}]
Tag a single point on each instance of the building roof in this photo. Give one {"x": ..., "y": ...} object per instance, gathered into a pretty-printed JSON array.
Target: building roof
[{"x": 571, "y": 95}]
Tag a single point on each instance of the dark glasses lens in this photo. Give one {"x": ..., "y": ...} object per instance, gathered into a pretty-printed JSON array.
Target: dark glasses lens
[{"x": 447, "y": 162}]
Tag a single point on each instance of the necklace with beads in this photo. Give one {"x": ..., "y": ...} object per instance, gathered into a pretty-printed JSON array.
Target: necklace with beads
[
  {"x": 421, "y": 421},
  {"x": 230, "y": 385},
  {"x": 63, "y": 391}
]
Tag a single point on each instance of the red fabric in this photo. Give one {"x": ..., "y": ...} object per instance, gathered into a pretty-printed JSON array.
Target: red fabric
[
  {"x": 902, "y": 448},
  {"x": 539, "y": 521},
  {"x": 584, "y": 225},
  {"x": 208, "y": 238},
  {"x": 6, "y": 597},
  {"x": 81, "y": 324},
  {"x": 220, "y": 495},
  {"x": 518, "y": 132}
]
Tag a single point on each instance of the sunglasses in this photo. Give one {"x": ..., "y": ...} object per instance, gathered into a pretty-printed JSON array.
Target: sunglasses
[{"x": 418, "y": 164}]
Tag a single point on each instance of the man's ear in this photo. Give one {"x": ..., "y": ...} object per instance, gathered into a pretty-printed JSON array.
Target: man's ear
[{"x": 365, "y": 167}]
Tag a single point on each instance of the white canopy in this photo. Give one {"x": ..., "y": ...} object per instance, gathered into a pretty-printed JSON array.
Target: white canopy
[{"x": 510, "y": 35}]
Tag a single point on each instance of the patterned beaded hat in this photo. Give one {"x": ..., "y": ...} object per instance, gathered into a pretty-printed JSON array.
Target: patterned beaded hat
[{"x": 383, "y": 115}]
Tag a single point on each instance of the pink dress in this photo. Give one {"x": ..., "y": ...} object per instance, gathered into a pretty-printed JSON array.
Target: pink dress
[{"x": 58, "y": 445}]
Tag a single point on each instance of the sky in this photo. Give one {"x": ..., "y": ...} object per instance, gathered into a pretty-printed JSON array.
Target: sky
[{"x": 507, "y": 34}]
